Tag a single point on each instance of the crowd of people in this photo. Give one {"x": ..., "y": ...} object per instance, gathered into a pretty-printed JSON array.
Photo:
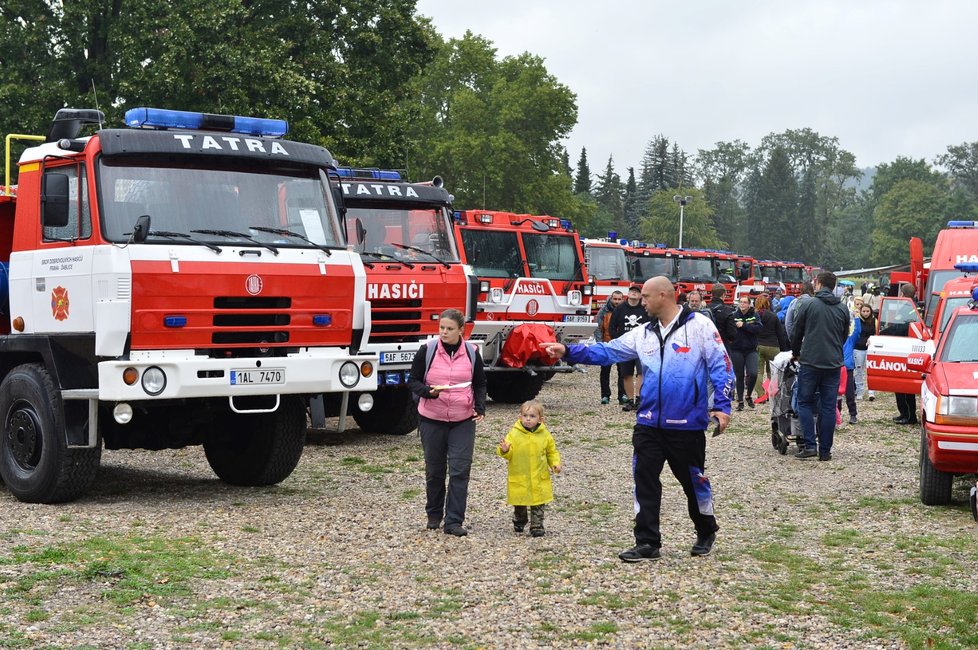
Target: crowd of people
[{"x": 680, "y": 362}]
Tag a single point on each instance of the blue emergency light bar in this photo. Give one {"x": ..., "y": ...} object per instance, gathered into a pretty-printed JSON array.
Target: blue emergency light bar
[
  {"x": 967, "y": 267},
  {"x": 376, "y": 174},
  {"x": 161, "y": 118},
  {"x": 962, "y": 224}
]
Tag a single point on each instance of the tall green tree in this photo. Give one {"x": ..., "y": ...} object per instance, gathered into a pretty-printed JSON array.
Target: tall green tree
[
  {"x": 774, "y": 209},
  {"x": 661, "y": 221},
  {"x": 909, "y": 208},
  {"x": 961, "y": 162},
  {"x": 723, "y": 171},
  {"x": 340, "y": 73},
  {"x": 631, "y": 206},
  {"x": 582, "y": 179},
  {"x": 492, "y": 128},
  {"x": 608, "y": 193}
]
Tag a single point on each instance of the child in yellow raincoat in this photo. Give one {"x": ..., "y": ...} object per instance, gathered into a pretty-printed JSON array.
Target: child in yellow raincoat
[{"x": 532, "y": 453}]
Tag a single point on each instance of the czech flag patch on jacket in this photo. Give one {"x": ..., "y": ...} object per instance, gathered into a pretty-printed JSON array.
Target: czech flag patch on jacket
[{"x": 679, "y": 348}]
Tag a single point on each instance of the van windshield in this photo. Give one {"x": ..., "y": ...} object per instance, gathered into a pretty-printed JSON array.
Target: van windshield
[{"x": 961, "y": 345}]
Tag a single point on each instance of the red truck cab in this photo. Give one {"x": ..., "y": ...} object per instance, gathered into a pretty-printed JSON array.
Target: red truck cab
[
  {"x": 607, "y": 266},
  {"x": 949, "y": 405}
]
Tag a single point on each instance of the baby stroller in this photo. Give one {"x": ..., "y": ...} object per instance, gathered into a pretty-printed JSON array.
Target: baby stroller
[{"x": 785, "y": 427}]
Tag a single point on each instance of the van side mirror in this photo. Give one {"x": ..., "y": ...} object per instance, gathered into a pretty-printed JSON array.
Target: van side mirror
[
  {"x": 54, "y": 200},
  {"x": 918, "y": 361}
]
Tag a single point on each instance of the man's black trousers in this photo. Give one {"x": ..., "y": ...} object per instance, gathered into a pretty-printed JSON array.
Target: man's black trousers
[{"x": 685, "y": 451}]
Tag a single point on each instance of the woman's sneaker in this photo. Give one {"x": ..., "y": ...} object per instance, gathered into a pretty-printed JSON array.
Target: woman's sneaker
[
  {"x": 750, "y": 403},
  {"x": 740, "y": 406}
]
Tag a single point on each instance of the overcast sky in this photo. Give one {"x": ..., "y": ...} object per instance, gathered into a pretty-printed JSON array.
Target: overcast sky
[{"x": 887, "y": 78}]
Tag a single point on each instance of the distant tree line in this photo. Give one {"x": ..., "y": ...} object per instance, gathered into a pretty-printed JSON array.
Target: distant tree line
[{"x": 377, "y": 85}]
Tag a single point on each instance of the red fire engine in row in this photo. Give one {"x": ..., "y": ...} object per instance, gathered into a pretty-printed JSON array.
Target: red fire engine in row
[
  {"x": 531, "y": 273},
  {"x": 182, "y": 282},
  {"x": 403, "y": 232}
]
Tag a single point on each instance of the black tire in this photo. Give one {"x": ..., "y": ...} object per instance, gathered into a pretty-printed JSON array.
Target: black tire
[
  {"x": 783, "y": 446},
  {"x": 260, "y": 448},
  {"x": 512, "y": 387},
  {"x": 35, "y": 461},
  {"x": 394, "y": 413},
  {"x": 775, "y": 434},
  {"x": 935, "y": 485}
]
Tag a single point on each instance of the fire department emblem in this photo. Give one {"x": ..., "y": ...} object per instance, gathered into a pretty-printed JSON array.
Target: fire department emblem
[
  {"x": 253, "y": 284},
  {"x": 532, "y": 307},
  {"x": 59, "y": 303}
]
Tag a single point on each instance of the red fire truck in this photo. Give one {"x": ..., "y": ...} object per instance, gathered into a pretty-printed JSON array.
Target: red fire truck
[
  {"x": 649, "y": 260},
  {"x": 607, "y": 266},
  {"x": 404, "y": 235},
  {"x": 183, "y": 282},
  {"x": 531, "y": 271},
  {"x": 793, "y": 276}
]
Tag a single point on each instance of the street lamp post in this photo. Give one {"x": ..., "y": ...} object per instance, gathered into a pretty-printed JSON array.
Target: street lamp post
[{"x": 682, "y": 201}]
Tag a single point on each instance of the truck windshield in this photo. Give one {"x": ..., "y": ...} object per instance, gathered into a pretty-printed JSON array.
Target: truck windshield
[
  {"x": 949, "y": 306},
  {"x": 196, "y": 196},
  {"x": 644, "y": 268},
  {"x": 552, "y": 256},
  {"x": 492, "y": 254},
  {"x": 426, "y": 231},
  {"x": 771, "y": 273},
  {"x": 935, "y": 283},
  {"x": 794, "y": 274},
  {"x": 961, "y": 345},
  {"x": 607, "y": 263},
  {"x": 696, "y": 269}
]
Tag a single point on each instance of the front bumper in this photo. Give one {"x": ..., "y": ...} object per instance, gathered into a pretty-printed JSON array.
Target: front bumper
[
  {"x": 309, "y": 371},
  {"x": 952, "y": 449}
]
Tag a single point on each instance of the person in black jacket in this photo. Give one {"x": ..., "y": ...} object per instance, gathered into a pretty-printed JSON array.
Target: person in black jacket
[
  {"x": 743, "y": 350},
  {"x": 723, "y": 316},
  {"x": 861, "y": 349},
  {"x": 820, "y": 329},
  {"x": 626, "y": 317}
]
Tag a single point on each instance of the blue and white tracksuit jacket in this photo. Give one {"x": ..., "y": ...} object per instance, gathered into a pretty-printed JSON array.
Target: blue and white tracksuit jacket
[{"x": 675, "y": 367}]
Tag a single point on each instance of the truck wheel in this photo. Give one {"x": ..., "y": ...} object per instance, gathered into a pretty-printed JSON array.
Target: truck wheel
[
  {"x": 258, "y": 448},
  {"x": 935, "y": 485},
  {"x": 512, "y": 387},
  {"x": 394, "y": 413},
  {"x": 35, "y": 461}
]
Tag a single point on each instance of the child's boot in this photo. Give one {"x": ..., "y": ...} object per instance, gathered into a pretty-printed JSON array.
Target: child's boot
[{"x": 519, "y": 518}]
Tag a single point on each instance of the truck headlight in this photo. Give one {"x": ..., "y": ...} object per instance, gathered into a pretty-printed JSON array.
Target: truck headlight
[
  {"x": 574, "y": 297},
  {"x": 349, "y": 374},
  {"x": 154, "y": 380},
  {"x": 496, "y": 295}
]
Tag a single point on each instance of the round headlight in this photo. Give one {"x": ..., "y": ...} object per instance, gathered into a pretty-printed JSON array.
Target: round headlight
[
  {"x": 365, "y": 402},
  {"x": 349, "y": 374},
  {"x": 154, "y": 380},
  {"x": 122, "y": 413}
]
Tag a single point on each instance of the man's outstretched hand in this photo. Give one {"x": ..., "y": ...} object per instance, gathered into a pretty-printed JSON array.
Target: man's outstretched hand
[{"x": 554, "y": 350}]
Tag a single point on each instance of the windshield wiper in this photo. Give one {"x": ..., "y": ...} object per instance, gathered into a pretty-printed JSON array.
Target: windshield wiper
[
  {"x": 385, "y": 256},
  {"x": 182, "y": 235},
  {"x": 241, "y": 235},
  {"x": 423, "y": 252},
  {"x": 288, "y": 233}
]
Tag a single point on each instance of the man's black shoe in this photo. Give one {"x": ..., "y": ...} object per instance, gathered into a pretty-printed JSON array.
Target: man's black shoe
[
  {"x": 456, "y": 530},
  {"x": 434, "y": 523},
  {"x": 806, "y": 453},
  {"x": 912, "y": 421},
  {"x": 703, "y": 545},
  {"x": 901, "y": 420},
  {"x": 629, "y": 406},
  {"x": 824, "y": 457},
  {"x": 640, "y": 552},
  {"x": 750, "y": 403}
]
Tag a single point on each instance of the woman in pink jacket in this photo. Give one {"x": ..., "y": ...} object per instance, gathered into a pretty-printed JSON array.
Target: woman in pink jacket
[{"x": 448, "y": 377}]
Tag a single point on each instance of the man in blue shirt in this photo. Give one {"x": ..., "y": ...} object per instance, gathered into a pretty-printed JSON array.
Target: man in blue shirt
[{"x": 680, "y": 353}]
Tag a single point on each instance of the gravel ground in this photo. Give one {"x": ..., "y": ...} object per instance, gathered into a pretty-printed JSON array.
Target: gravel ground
[{"x": 810, "y": 555}]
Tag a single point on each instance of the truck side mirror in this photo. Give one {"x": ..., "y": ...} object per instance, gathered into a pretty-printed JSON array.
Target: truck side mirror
[
  {"x": 360, "y": 230},
  {"x": 54, "y": 200},
  {"x": 141, "y": 229}
]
